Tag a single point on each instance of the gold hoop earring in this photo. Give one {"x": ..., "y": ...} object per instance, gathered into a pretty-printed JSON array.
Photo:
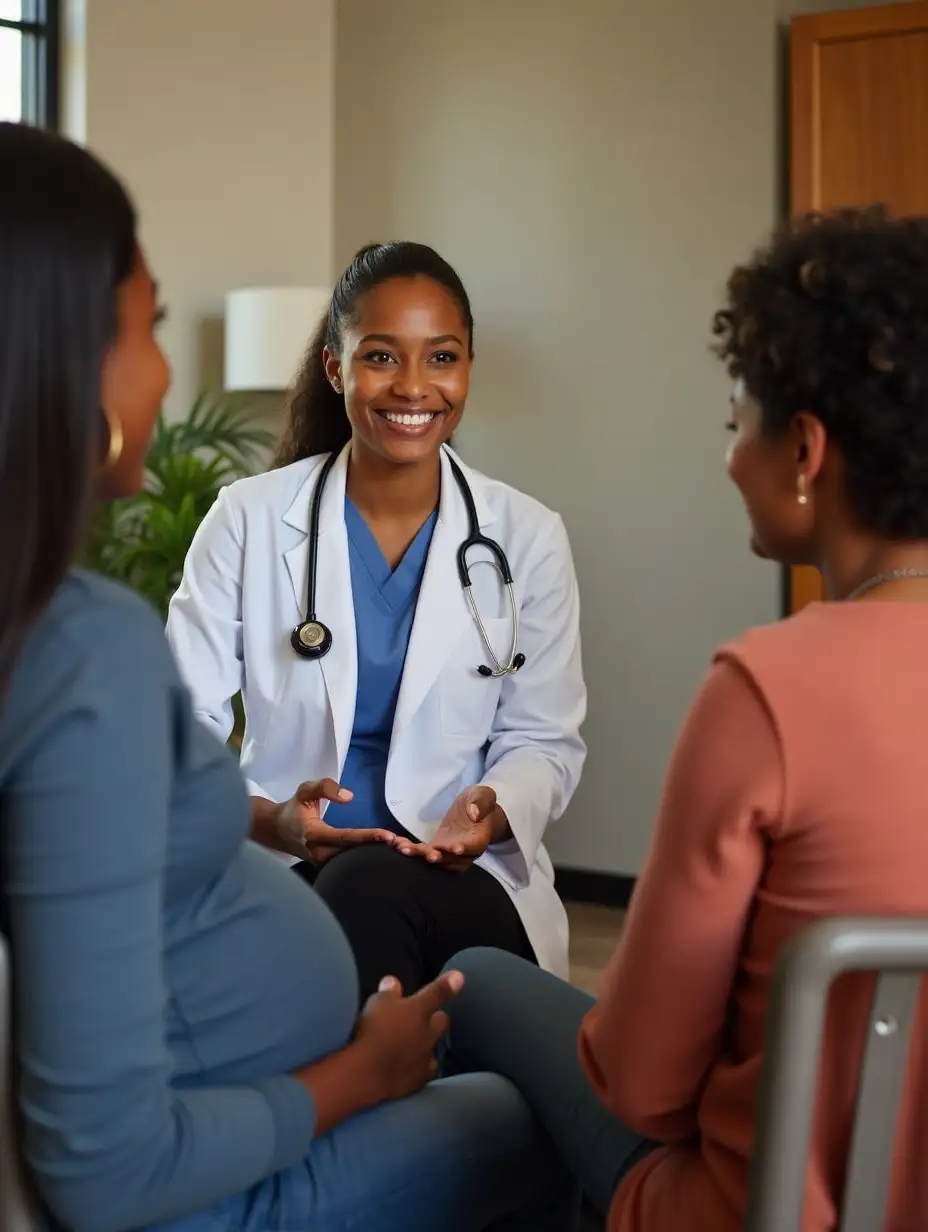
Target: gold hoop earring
[
  {"x": 802, "y": 496},
  {"x": 116, "y": 441}
]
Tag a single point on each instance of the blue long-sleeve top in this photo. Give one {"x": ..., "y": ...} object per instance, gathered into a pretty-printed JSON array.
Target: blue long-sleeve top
[{"x": 169, "y": 975}]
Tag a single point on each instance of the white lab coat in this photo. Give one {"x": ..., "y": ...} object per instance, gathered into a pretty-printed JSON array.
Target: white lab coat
[{"x": 244, "y": 590}]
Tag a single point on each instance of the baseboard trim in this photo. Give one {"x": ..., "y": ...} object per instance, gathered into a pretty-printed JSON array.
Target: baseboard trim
[{"x": 582, "y": 885}]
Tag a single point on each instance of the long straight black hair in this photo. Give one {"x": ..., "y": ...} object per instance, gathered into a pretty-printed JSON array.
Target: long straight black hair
[{"x": 67, "y": 240}]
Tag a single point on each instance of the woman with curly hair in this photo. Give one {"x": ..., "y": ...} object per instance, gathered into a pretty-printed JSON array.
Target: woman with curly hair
[{"x": 796, "y": 790}]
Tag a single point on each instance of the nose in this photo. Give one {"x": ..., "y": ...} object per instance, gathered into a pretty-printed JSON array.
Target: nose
[{"x": 410, "y": 381}]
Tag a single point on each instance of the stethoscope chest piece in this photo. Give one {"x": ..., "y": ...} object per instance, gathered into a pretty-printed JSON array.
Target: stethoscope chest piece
[{"x": 311, "y": 640}]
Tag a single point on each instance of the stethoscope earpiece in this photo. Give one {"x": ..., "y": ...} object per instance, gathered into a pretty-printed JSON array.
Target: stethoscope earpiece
[
  {"x": 311, "y": 640},
  {"x": 487, "y": 672}
]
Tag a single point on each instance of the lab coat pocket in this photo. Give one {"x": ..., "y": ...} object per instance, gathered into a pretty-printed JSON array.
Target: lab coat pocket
[{"x": 469, "y": 700}]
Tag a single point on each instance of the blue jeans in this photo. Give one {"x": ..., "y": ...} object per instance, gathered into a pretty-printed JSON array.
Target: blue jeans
[
  {"x": 518, "y": 1021},
  {"x": 464, "y": 1155}
]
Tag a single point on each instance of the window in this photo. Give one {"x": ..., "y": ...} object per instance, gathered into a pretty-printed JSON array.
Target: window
[{"x": 29, "y": 61}]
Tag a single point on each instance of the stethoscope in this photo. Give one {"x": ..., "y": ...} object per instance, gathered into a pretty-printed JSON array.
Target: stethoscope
[{"x": 312, "y": 639}]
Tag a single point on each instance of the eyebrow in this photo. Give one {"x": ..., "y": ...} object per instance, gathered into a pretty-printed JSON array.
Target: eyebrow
[{"x": 391, "y": 339}]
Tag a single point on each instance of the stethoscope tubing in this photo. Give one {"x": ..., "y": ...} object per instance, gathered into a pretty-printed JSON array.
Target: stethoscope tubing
[{"x": 312, "y": 639}]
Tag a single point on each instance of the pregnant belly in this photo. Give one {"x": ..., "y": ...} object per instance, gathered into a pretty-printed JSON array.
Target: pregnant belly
[{"x": 260, "y": 977}]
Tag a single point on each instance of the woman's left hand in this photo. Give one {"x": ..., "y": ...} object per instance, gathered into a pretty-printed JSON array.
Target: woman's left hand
[{"x": 473, "y": 822}]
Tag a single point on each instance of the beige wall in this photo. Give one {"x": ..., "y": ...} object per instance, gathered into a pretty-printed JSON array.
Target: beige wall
[
  {"x": 219, "y": 116},
  {"x": 594, "y": 170}
]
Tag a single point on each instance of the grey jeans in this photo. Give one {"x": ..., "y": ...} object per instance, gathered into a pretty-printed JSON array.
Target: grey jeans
[{"x": 518, "y": 1021}]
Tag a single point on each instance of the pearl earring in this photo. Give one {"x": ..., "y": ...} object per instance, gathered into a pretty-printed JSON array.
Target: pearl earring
[{"x": 802, "y": 496}]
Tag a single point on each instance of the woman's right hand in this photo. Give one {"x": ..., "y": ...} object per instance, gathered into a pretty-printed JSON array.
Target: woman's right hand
[
  {"x": 398, "y": 1034},
  {"x": 303, "y": 833}
]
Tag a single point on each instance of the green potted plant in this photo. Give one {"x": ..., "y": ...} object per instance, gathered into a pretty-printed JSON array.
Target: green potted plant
[{"x": 143, "y": 541}]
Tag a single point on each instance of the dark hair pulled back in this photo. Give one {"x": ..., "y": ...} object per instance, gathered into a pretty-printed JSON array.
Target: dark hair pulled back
[{"x": 316, "y": 420}]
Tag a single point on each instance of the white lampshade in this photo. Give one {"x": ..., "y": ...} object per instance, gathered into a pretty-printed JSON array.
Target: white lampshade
[{"x": 267, "y": 332}]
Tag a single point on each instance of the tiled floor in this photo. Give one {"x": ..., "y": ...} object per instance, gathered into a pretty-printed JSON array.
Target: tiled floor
[{"x": 594, "y": 932}]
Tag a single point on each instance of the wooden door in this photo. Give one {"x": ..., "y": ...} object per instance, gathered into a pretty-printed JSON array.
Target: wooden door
[{"x": 859, "y": 127}]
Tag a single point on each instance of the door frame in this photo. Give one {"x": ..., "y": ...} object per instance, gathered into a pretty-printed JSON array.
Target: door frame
[{"x": 807, "y": 34}]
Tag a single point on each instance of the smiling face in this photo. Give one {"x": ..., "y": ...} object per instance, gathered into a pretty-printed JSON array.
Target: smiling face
[{"x": 404, "y": 369}]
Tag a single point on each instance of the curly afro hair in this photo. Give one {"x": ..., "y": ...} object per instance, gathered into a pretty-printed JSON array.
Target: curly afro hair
[{"x": 832, "y": 318}]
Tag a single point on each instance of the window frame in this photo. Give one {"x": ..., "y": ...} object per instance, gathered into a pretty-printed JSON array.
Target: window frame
[{"x": 40, "y": 26}]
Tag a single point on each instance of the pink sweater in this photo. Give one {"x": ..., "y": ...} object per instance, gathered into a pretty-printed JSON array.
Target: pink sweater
[{"x": 798, "y": 789}]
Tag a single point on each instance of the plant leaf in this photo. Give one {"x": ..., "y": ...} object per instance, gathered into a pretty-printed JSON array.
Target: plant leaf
[{"x": 143, "y": 541}]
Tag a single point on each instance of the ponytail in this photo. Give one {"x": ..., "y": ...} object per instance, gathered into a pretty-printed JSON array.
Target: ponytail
[{"x": 316, "y": 418}]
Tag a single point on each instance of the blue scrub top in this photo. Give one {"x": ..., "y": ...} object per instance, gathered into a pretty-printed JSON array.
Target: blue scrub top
[{"x": 384, "y": 608}]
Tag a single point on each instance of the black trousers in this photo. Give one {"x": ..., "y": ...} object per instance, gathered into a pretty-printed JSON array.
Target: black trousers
[{"x": 406, "y": 918}]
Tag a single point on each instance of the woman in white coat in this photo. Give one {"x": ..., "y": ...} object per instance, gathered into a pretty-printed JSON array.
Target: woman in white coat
[{"x": 376, "y": 700}]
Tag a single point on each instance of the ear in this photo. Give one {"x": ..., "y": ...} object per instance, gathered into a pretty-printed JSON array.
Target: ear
[
  {"x": 809, "y": 440},
  {"x": 333, "y": 369}
]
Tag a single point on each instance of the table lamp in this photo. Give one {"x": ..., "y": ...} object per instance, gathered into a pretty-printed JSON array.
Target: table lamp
[{"x": 267, "y": 331}]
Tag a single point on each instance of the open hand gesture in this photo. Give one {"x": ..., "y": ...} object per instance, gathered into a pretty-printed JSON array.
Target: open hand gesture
[{"x": 305, "y": 835}]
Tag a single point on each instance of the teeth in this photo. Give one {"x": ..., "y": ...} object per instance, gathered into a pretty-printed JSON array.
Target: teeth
[{"x": 411, "y": 421}]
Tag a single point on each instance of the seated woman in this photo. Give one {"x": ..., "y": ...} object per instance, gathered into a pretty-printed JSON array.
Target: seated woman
[
  {"x": 330, "y": 592},
  {"x": 187, "y": 1049},
  {"x": 797, "y": 789}
]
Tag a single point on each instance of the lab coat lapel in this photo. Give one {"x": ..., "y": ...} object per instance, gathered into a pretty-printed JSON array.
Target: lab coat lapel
[
  {"x": 334, "y": 601},
  {"x": 442, "y": 613}
]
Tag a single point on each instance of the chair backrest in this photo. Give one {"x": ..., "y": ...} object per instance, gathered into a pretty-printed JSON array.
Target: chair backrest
[
  {"x": 897, "y": 951},
  {"x": 16, "y": 1213}
]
